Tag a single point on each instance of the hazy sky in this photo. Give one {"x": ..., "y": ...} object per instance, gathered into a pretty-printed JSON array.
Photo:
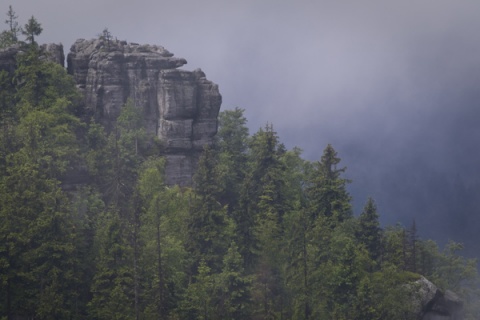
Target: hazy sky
[{"x": 393, "y": 85}]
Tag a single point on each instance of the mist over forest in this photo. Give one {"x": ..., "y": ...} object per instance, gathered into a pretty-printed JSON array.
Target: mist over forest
[
  {"x": 389, "y": 92},
  {"x": 394, "y": 87}
]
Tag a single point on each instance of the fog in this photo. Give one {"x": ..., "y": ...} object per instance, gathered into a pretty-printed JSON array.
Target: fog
[{"x": 393, "y": 85}]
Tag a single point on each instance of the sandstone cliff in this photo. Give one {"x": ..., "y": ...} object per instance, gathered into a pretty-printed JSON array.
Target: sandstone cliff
[{"x": 180, "y": 107}]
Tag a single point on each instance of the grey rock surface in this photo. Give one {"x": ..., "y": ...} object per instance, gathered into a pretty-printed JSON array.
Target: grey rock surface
[
  {"x": 432, "y": 303},
  {"x": 54, "y": 53},
  {"x": 180, "y": 107},
  {"x": 8, "y": 56}
]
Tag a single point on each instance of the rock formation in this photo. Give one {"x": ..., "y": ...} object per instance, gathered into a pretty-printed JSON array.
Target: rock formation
[
  {"x": 431, "y": 303},
  {"x": 51, "y": 52},
  {"x": 180, "y": 107}
]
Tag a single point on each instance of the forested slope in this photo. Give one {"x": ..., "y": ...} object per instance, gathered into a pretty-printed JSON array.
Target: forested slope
[{"x": 263, "y": 234}]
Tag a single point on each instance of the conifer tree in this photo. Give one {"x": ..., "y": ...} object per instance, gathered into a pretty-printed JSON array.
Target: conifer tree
[
  {"x": 234, "y": 287},
  {"x": 369, "y": 231},
  {"x": 327, "y": 192},
  {"x": 32, "y": 29},
  {"x": 209, "y": 228},
  {"x": 113, "y": 283},
  {"x": 162, "y": 262},
  {"x": 12, "y": 23},
  {"x": 200, "y": 302},
  {"x": 10, "y": 36},
  {"x": 42, "y": 275},
  {"x": 231, "y": 141},
  {"x": 265, "y": 203}
]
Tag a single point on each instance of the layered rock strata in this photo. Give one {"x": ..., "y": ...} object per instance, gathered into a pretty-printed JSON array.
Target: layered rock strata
[{"x": 180, "y": 107}]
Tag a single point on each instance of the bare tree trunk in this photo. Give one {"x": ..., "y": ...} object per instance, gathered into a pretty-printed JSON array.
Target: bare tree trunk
[{"x": 161, "y": 294}]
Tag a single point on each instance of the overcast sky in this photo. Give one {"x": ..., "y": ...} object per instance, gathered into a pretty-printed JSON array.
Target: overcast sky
[{"x": 393, "y": 85}]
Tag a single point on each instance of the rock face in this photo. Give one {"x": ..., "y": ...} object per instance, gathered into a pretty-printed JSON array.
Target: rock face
[
  {"x": 52, "y": 52},
  {"x": 180, "y": 107},
  {"x": 434, "y": 304}
]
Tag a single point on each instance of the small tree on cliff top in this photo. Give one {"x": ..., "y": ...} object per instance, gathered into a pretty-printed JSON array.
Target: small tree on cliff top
[{"x": 32, "y": 28}]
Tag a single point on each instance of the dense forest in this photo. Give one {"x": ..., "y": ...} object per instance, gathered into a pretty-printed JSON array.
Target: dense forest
[{"x": 89, "y": 229}]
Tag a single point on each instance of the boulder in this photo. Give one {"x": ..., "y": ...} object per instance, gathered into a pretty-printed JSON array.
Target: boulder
[{"x": 431, "y": 303}]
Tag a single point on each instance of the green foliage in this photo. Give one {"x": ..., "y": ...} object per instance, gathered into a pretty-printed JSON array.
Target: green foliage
[
  {"x": 32, "y": 29},
  {"x": 41, "y": 268},
  {"x": 6, "y": 39},
  {"x": 200, "y": 295},
  {"x": 12, "y": 23},
  {"x": 369, "y": 231},
  {"x": 263, "y": 234},
  {"x": 231, "y": 142},
  {"x": 327, "y": 192},
  {"x": 112, "y": 285},
  {"x": 209, "y": 227},
  {"x": 106, "y": 36},
  {"x": 10, "y": 37},
  {"x": 234, "y": 287}
]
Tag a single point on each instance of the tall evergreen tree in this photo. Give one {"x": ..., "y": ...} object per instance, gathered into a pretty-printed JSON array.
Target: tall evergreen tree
[
  {"x": 327, "y": 191},
  {"x": 209, "y": 228},
  {"x": 231, "y": 141},
  {"x": 265, "y": 203},
  {"x": 12, "y": 23},
  {"x": 113, "y": 283},
  {"x": 234, "y": 288},
  {"x": 10, "y": 36},
  {"x": 39, "y": 229},
  {"x": 369, "y": 231}
]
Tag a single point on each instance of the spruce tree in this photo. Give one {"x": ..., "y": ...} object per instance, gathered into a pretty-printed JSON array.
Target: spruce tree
[
  {"x": 369, "y": 231},
  {"x": 327, "y": 193},
  {"x": 42, "y": 274},
  {"x": 209, "y": 228},
  {"x": 10, "y": 36},
  {"x": 32, "y": 29},
  {"x": 12, "y": 23}
]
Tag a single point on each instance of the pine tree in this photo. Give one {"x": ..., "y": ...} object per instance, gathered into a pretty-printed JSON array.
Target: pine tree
[
  {"x": 299, "y": 262},
  {"x": 10, "y": 36},
  {"x": 155, "y": 201},
  {"x": 234, "y": 287},
  {"x": 32, "y": 29},
  {"x": 231, "y": 141},
  {"x": 369, "y": 231},
  {"x": 12, "y": 23},
  {"x": 327, "y": 192},
  {"x": 113, "y": 283},
  {"x": 39, "y": 229},
  {"x": 265, "y": 205},
  {"x": 200, "y": 295},
  {"x": 209, "y": 228}
]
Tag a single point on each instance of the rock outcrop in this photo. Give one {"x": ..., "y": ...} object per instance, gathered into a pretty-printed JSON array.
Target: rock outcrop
[
  {"x": 8, "y": 56},
  {"x": 432, "y": 303},
  {"x": 180, "y": 107},
  {"x": 54, "y": 53}
]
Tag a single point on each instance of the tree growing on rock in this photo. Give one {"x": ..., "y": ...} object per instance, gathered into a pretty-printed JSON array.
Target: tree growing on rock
[
  {"x": 32, "y": 29},
  {"x": 106, "y": 35},
  {"x": 10, "y": 36}
]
